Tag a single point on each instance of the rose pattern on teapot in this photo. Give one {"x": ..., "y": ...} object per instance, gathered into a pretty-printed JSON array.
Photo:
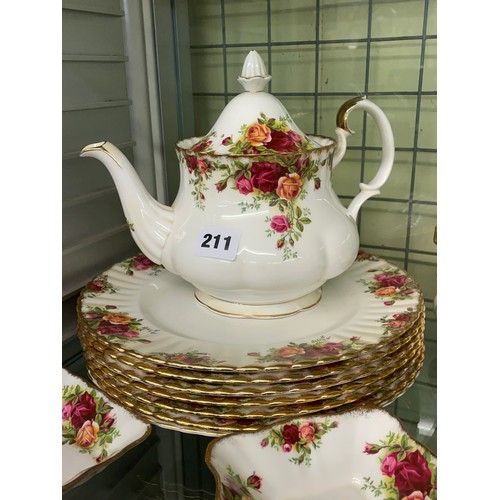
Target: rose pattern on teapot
[{"x": 279, "y": 180}]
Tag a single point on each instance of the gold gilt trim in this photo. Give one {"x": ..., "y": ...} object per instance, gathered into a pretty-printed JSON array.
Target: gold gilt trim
[
  {"x": 147, "y": 369},
  {"x": 345, "y": 109},
  {"x": 218, "y": 427},
  {"x": 200, "y": 388},
  {"x": 162, "y": 406},
  {"x": 99, "y": 146},
  {"x": 218, "y": 399}
]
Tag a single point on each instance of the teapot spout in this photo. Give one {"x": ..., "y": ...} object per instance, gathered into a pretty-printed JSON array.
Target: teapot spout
[{"x": 149, "y": 221}]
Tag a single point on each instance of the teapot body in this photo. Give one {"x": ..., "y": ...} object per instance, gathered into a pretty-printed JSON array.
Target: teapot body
[{"x": 258, "y": 229}]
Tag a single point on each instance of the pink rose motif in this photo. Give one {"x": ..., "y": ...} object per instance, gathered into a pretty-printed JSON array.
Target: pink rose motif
[
  {"x": 284, "y": 142},
  {"x": 67, "y": 409},
  {"x": 244, "y": 185},
  {"x": 279, "y": 223},
  {"x": 416, "y": 495},
  {"x": 263, "y": 443},
  {"x": 412, "y": 474},
  {"x": 290, "y": 434},
  {"x": 396, "y": 324},
  {"x": 287, "y": 447},
  {"x": 130, "y": 334},
  {"x": 389, "y": 464},
  {"x": 307, "y": 432},
  {"x": 83, "y": 410},
  {"x": 265, "y": 175}
]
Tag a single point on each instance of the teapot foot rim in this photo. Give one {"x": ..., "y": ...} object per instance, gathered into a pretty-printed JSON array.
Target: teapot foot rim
[{"x": 258, "y": 311}]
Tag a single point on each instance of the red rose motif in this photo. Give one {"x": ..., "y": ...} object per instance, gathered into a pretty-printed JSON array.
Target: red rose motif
[
  {"x": 280, "y": 224},
  {"x": 97, "y": 285},
  {"x": 254, "y": 481},
  {"x": 202, "y": 146},
  {"x": 244, "y": 185},
  {"x": 106, "y": 328},
  {"x": 83, "y": 410},
  {"x": 141, "y": 262},
  {"x": 265, "y": 175},
  {"x": 412, "y": 474},
  {"x": 290, "y": 434},
  {"x": 227, "y": 140},
  {"x": 284, "y": 142},
  {"x": 401, "y": 317},
  {"x": 192, "y": 163},
  {"x": 398, "y": 280},
  {"x": 371, "y": 449},
  {"x": 301, "y": 164}
]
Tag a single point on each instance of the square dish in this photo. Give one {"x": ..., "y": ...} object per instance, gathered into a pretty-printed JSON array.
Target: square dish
[
  {"x": 95, "y": 432},
  {"x": 357, "y": 455}
]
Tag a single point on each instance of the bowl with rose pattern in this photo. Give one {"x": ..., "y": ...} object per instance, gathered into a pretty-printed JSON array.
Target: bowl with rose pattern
[{"x": 358, "y": 454}]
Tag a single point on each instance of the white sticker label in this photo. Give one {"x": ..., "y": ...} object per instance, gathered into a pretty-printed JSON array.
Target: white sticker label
[{"x": 218, "y": 242}]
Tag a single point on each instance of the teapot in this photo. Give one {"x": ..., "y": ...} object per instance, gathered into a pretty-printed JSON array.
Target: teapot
[{"x": 256, "y": 226}]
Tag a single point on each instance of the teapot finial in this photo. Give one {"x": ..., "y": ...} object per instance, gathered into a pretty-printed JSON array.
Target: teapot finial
[{"x": 254, "y": 76}]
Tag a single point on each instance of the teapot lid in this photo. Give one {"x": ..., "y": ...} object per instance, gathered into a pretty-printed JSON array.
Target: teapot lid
[{"x": 254, "y": 122}]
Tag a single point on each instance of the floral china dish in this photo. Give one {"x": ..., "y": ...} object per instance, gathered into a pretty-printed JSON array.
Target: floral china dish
[
  {"x": 256, "y": 228},
  {"x": 357, "y": 454},
  {"x": 141, "y": 309},
  {"x": 95, "y": 431}
]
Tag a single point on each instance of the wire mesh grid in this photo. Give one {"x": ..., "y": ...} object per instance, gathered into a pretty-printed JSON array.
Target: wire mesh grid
[{"x": 413, "y": 213}]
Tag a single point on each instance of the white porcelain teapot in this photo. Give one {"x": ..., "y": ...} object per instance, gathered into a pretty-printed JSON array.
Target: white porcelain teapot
[{"x": 256, "y": 227}]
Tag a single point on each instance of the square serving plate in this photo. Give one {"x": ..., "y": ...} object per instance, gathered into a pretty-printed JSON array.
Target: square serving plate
[
  {"x": 95, "y": 431},
  {"x": 356, "y": 455}
]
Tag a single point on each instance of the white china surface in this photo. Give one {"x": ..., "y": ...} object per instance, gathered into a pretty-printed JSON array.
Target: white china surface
[
  {"x": 119, "y": 430},
  {"x": 362, "y": 454},
  {"x": 174, "y": 329}
]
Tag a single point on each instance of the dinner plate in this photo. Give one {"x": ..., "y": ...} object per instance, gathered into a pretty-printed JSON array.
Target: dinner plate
[
  {"x": 218, "y": 426},
  {"x": 254, "y": 410},
  {"x": 331, "y": 375},
  {"x": 95, "y": 431},
  {"x": 217, "y": 397},
  {"x": 354, "y": 455},
  {"x": 154, "y": 316}
]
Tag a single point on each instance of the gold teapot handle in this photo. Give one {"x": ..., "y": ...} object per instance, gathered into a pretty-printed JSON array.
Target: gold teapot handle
[{"x": 367, "y": 190}]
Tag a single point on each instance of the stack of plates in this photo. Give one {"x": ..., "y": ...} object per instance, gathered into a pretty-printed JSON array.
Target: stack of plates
[{"x": 151, "y": 346}]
